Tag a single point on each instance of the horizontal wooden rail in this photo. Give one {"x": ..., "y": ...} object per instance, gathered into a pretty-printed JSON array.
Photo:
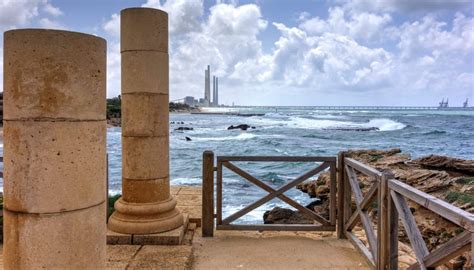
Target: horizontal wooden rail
[
  {"x": 438, "y": 206},
  {"x": 276, "y": 227},
  {"x": 277, "y": 158},
  {"x": 361, "y": 167}
]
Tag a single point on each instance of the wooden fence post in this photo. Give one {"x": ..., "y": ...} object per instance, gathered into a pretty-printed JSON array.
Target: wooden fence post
[
  {"x": 340, "y": 196},
  {"x": 385, "y": 223},
  {"x": 208, "y": 194}
]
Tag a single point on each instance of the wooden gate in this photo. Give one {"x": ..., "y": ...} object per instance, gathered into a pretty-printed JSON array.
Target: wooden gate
[{"x": 225, "y": 223}]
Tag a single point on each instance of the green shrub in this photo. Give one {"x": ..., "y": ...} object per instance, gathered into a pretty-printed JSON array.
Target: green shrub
[
  {"x": 454, "y": 196},
  {"x": 465, "y": 180},
  {"x": 112, "y": 200}
]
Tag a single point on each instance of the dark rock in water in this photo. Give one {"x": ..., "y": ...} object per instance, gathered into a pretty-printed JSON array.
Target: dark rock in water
[
  {"x": 241, "y": 126},
  {"x": 188, "y": 139},
  {"x": 355, "y": 129},
  {"x": 280, "y": 215},
  {"x": 313, "y": 204},
  {"x": 184, "y": 128}
]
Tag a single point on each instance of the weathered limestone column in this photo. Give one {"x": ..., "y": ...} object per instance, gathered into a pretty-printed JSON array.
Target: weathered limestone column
[
  {"x": 55, "y": 150},
  {"x": 146, "y": 205}
]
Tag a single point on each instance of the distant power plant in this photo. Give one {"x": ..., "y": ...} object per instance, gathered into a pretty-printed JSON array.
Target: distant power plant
[{"x": 207, "y": 101}]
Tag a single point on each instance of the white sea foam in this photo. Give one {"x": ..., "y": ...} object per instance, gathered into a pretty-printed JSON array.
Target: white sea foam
[
  {"x": 381, "y": 123},
  {"x": 240, "y": 137},
  {"x": 384, "y": 124}
]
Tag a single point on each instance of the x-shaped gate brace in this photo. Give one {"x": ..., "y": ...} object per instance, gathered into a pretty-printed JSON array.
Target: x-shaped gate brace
[{"x": 273, "y": 193}]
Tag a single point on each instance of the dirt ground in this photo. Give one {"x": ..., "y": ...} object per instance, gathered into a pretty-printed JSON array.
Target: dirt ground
[{"x": 254, "y": 250}]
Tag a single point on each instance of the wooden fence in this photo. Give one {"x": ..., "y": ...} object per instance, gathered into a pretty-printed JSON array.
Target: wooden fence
[
  {"x": 225, "y": 223},
  {"x": 387, "y": 195}
]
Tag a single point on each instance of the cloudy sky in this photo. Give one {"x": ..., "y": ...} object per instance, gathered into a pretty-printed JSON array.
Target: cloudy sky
[{"x": 276, "y": 52}]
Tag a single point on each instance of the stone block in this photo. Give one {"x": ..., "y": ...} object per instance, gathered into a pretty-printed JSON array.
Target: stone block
[
  {"x": 124, "y": 253},
  {"x": 145, "y": 114},
  {"x": 54, "y": 74},
  {"x": 145, "y": 157},
  {"x": 69, "y": 240},
  {"x": 114, "y": 238},
  {"x": 54, "y": 166},
  {"x": 189, "y": 200},
  {"x": 145, "y": 72},
  {"x": 163, "y": 257},
  {"x": 190, "y": 190},
  {"x": 173, "y": 237},
  {"x": 145, "y": 191},
  {"x": 143, "y": 29},
  {"x": 194, "y": 213}
]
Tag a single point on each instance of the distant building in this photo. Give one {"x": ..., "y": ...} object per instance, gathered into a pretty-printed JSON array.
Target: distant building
[{"x": 190, "y": 101}]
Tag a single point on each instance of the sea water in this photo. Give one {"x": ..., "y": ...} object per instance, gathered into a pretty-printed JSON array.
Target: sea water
[{"x": 298, "y": 132}]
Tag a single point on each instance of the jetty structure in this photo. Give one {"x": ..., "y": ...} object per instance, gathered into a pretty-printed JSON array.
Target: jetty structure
[{"x": 55, "y": 176}]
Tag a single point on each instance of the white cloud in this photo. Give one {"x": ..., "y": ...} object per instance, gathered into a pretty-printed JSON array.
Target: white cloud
[
  {"x": 20, "y": 13},
  {"x": 184, "y": 15},
  {"x": 50, "y": 24},
  {"x": 112, "y": 26},
  {"x": 51, "y": 10},
  {"x": 406, "y": 5},
  {"x": 362, "y": 26}
]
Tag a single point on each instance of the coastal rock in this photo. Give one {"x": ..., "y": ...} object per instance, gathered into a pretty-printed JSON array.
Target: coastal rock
[
  {"x": 446, "y": 164},
  {"x": 280, "y": 215},
  {"x": 241, "y": 127},
  {"x": 183, "y": 128}
]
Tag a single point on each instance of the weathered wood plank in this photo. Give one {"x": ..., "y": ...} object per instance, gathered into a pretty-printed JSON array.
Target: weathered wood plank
[
  {"x": 277, "y": 158},
  {"x": 370, "y": 197},
  {"x": 272, "y": 195},
  {"x": 332, "y": 206},
  {"x": 361, "y": 167},
  {"x": 219, "y": 192},
  {"x": 393, "y": 216},
  {"x": 352, "y": 177},
  {"x": 276, "y": 227},
  {"x": 347, "y": 197},
  {"x": 283, "y": 197},
  {"x": 438, "y": 206},
  {"x": 361, "y": 248},
  {"x": 350, "y": 224},
  {"x": 208, "y": 194},
  {"x": 413, "y": 233},
  {"x": 383, "y": 224},
  {"x": 364, "y": 217},
  {"x": 340, "y": 196},
  {"x": 454, "y": 247}
]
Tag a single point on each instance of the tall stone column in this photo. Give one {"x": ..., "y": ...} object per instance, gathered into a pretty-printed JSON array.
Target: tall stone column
[
  {"x": 55, "y": 150},
  {"x": 146, "y": 205}
]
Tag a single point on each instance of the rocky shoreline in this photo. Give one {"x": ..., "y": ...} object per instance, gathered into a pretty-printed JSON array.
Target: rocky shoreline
[{"x": 447, "y": 178}]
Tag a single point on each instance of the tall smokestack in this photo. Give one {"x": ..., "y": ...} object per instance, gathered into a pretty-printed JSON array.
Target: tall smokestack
[
  {"x": 207, "y": 88},
  {"x": 216, "y": 97}
]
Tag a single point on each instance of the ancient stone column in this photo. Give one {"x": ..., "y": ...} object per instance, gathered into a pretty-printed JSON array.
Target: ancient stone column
[
  {"x": 54, "y": 150},
  {"x": 146, "y": 205}
]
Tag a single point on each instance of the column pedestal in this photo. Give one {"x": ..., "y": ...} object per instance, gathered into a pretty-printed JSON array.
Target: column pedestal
[{"x": 146, "y": 206}]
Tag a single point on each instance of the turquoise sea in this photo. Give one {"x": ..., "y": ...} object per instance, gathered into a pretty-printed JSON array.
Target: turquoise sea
[{"x": 299, "y": 131}]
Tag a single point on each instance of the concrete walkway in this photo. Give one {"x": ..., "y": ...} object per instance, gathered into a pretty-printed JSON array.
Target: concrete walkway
[{"x": 254, "y": 250}]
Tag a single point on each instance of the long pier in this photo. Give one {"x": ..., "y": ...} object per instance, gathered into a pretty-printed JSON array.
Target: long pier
[{"x": 389, "y": 108}]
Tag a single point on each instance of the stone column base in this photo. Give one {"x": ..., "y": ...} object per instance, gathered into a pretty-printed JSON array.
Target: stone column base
[
  {"x": 145, "y": 218},
  {"x": 173, "y": 237}
]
